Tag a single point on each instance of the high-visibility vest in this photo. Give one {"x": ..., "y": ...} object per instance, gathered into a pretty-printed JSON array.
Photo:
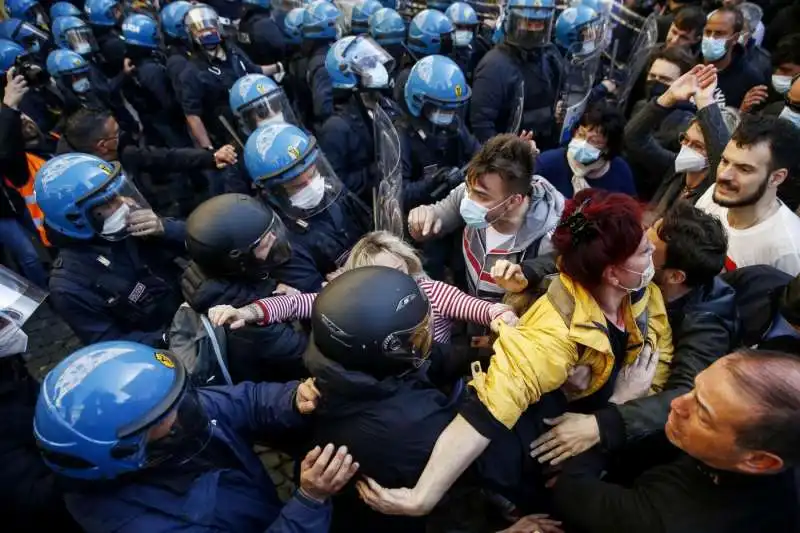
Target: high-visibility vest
[{"x": 26, "y": 191}]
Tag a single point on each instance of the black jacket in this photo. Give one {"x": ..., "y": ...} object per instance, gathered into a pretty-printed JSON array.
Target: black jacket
[
  {"x": 643, "y": 149},
  {"x": 737, "y": 78},
  {"x": 270, "y": 353},
  {"x": 704, "y": 328},
  {"x": 684, "y": 496},
  {"x": 390, "y": 426},
  {"x": 13, "y": 165},
  {"x": 30, "y": 499}
]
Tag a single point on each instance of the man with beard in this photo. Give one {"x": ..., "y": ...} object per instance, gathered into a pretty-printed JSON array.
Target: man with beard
[{"x": 760, "y": 156}]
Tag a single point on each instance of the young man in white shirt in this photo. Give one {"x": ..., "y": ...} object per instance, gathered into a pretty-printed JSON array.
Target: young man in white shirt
[{"x": 761, "y": 229}]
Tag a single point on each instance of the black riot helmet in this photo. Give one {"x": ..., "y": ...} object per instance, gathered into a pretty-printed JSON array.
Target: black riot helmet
[
  {"x": 224, "y": 233},
  {"x": 373, "y": 319}
]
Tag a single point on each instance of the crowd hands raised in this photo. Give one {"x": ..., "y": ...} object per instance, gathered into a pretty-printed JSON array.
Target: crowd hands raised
[{"x": 527, "y": 274}]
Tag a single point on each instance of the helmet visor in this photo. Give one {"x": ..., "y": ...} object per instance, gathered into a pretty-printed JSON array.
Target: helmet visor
[
  {"x": 271, "y": 107},
  {"x": 370, "y": 62},
  {"x": 414, "y": 343},
  {"x": 274, "y": 242},
  {"x": 81, "y": 40},
  {"x": 528, "y": 31},
  {"x": 111, "y": 209},
  {"x": 182, "y": 433},
  {"x": 30, "y": 36},
  {"x": 308, "y": 194},
  {"x": 203, "y": 25}
]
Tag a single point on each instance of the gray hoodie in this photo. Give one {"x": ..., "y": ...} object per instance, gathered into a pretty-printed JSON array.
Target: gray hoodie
[{"x": 532, "y": 238}]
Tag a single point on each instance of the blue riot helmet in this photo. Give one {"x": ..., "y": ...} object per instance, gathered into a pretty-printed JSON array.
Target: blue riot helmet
[
  {"x": 263, "y": 5},
  {"x": 281, "y": 8},
  {"x": 83, "y": 197},
  {"x": 430, "y": 32},
  {"x": 9, "y": 52},
  {"x": 578, "y": 30},
  {"x": 118, "y": 407},
  {"x": 362, "y": 11},
  {"x": 293, "y": 26},
  {"x": 319, "y": 21},
  {"x": 437, "y": 90},
  {"x": 72, "y": 33},
  {"x": 602, "y": 7},
  {"x": 29, "y": 11},
  {"x": 288, "y": 167},
  {"x": 387, "y": 27},
  {"x": 358, "y": 62},
  {"x": 529, "y": 23},
  {"x": 71, "y": 68},
  {"x": 106, "y": 13},
  {"x": 256, "y": 100},
  {"x": 64, "y": 9},
  {"x": 172, "y": 19},
  {"x": 202, "y": 24},
  {"x": 30, "y": 36},
  {"x": 465, "y": 21},
  {"x": 141, "y": 30}
]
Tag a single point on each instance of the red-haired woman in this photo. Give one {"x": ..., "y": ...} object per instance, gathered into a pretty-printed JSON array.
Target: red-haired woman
[{"x": 601, "y": 312}]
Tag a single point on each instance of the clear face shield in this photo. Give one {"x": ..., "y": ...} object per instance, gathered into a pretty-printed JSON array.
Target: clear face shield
[
  {"x": 108, "y": 209},
  {"x": 270, "y": 250},
  {"x": 19, "y": 299},
  {"x": 591, "y": 35},
  {"x": 413, "y": 344},
  {"x": 370, "y": 62},
  {"x": 444, "y": 117},
  {"x": 37, "y": 15},
  {"x": 308, "y": 194},
  {"x": 203, "y": 25},
  {"x": 81, "y": 40},
  {"x": 527, "y": 31},
  {"x": 271, "y": 108},
  {"x": 31, "y": 37}
]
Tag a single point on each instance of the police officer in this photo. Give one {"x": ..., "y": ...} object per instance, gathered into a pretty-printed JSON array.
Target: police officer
[
  {"x": 34, "y": 40},
  {"x": 356, "y": 65},
  {"x": 176, "y": 41},
  {"x": 296, "y": 180},
  {"x": 64, "y": 9},
  {"x": 430, "y": 32},
  {"x": 388, "y": 29},
  {"x": 83, "y": 85},
  {"x": 359, "y": 18},
  {"x": 465, "y": 22},
  {"x": 433, "y": 137},
  {"x": 259, "y": 35},
  {"x": 153, "y": 453},
  {"x": 214, "y": 67},
  {"x": 526, "y": 59},
  {"x": 104, "y": 16},
  {"x": 240, "y": 251},
  {"x": 148, "y": 88},
  {"x": 315, "y": 93},
  {"x": 28, "y": 11},
  {"x": 116, "y": 275},
  {"x": 577, "y": 31},
  {"x": 295, "y": 81}
]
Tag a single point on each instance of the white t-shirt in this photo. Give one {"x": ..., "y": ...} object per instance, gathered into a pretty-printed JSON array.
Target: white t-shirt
[
  {"x": 774, "y": 241},
  {"x": 496, "y": 240}
]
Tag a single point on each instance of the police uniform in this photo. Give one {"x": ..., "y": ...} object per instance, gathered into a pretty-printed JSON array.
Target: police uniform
[{"x": 261, "y": 38}]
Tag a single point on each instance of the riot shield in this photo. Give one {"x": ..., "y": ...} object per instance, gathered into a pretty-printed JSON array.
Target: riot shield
[
  {"x": 517, "y": 109},
  {"x": 628, "y": 60},
  {"x": 19, "y": 298},
  {"x": 388, "y": 195}
]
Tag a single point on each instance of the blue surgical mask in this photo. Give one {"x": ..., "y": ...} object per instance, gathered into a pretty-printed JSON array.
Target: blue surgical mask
[
  {"x": 82, "y": 86},
  {"x": 473, "y": 213},
  {"x": 790, "y": 115},
  {"x": 713, "y": 48},
  {"x": 583, "y": 152},
  {"x": 781, "y": 84},
  {"x": 441, "y": 117}
]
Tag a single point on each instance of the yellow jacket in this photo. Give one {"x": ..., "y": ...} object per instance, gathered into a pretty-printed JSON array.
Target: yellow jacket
[{"x": 563, "y": 329}]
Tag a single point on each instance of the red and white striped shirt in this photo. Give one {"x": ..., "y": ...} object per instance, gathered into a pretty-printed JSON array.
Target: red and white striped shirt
[{"x": 447, "y": 303}]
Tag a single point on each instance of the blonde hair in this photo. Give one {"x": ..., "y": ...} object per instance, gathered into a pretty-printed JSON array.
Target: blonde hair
[{"x": 377, "y": 242}]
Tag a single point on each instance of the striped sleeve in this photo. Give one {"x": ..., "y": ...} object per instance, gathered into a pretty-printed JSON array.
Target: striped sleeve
[
  {"x": 455, "y": 304},
  {"x": 285, "y": 308}
]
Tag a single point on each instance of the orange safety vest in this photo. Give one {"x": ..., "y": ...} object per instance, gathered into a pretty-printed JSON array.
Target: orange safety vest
[{"x": 26, "y": 191}]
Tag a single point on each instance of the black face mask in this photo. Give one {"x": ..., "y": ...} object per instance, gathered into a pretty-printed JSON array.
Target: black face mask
[{"x": 655, "y": 89}]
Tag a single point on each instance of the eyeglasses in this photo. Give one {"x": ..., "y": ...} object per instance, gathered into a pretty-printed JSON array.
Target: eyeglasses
[{"x": 694, "y": 145}]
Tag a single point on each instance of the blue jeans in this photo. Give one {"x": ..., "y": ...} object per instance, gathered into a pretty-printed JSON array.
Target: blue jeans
[{"x": 18, "y": 241}]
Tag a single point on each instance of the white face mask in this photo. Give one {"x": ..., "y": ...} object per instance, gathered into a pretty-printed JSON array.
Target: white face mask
[
  {"x": 644, "y": 277},
  {"x": 441, "y": 117},
  {"x": 462, "y": 38},
  {"x": 791, "y": 116},
  {"x": 375, "y": 78},
  {"x": 689, "y": 160},
  {"x": 277, "y": 118},
  {"x": 781, "y": 84},
  {"x": 588, "y": 47},
  {"x": 311, "y": 195},
  {"x": 13, "y": 341},
  {"x": 82, "y": 86},
  {"x": 117, "y": 222}
]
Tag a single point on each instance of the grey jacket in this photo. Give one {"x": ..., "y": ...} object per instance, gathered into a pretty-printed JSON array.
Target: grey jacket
[
  {"x": 530, "y": 240},
  {"x": 642, "y": 147}
]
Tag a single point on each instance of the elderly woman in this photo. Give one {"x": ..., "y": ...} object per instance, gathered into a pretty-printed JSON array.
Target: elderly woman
[{"x": 602, "y": 312}]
